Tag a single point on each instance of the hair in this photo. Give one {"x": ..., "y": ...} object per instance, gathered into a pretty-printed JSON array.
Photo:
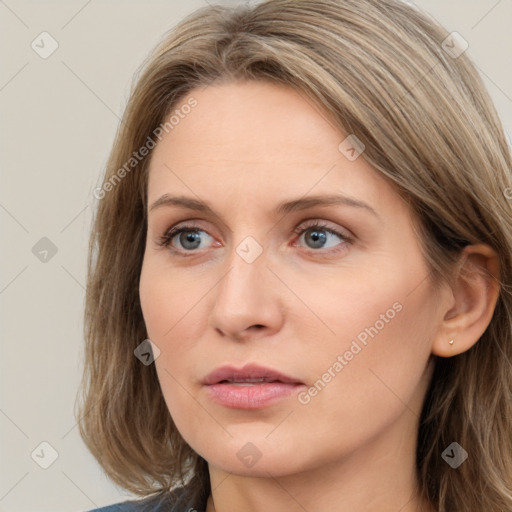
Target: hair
[{"x": 379, "y": 70}]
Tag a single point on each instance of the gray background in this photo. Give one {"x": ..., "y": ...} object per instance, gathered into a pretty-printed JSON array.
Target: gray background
[{"x": 58, "y": 118}]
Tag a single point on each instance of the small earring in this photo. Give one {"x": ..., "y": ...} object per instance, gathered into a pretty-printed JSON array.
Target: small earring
[{"x": 451, "y": 342}]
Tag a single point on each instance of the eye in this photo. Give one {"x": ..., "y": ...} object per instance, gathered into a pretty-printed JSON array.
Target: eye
[
  {"x": 188, "y": 238},
  {"x": 318, "y": 235}
]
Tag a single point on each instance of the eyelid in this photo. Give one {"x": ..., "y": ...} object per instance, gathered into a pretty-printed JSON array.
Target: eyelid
[
  {"x": 171, "y": 232},
  {"x": 192, "y": 225},
  {"x": 321, "y": 224}
]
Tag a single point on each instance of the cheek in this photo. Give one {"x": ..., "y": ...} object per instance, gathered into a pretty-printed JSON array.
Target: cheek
[
  {"x": 169, "y": 301},
  {"x": 171, "y": 319},
  {"x": 174, "y": 310},
  {"x": 370, "y": 337},
  {"x": 376, "y": 361}
]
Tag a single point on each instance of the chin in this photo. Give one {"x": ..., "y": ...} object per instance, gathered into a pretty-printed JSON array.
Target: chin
[
  {"x": 254, "y": 456},
  {"x": 276, "y": 465}
]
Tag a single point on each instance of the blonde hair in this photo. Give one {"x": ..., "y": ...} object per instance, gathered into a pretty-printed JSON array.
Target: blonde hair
[{"x": 380, "y": 70}]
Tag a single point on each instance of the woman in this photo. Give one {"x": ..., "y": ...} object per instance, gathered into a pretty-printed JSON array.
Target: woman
[{"x": 299, "y": 275}]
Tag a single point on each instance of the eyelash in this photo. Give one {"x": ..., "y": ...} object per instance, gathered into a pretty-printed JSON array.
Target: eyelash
[{"x": 167, "y": 238}]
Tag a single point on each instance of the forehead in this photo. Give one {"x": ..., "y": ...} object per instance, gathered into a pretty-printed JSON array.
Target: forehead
[
  {"x": 256, "y": 139},
  {"x": 248, "y": 119}
]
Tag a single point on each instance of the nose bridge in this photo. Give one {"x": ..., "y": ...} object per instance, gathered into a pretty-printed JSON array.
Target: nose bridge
[
  {"x": 243, "y": 295},
  {"x": 245, "y": 277}
]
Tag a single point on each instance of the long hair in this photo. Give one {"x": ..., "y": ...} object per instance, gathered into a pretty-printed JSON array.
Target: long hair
[{"x": 389, "y": 74}]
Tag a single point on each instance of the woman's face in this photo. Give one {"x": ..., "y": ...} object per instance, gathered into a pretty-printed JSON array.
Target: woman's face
[{"x": 299, "y": 259}]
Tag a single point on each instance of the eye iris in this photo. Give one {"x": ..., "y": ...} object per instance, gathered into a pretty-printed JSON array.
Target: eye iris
[
  {"x": 191, "y": 237},
  {"x": 318, "y": 237}
]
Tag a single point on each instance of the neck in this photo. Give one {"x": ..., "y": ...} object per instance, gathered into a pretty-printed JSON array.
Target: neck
[{"x": 373, "y": 478}]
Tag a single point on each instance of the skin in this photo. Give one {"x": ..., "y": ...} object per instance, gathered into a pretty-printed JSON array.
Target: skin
[{"x": 244, "y": 148}]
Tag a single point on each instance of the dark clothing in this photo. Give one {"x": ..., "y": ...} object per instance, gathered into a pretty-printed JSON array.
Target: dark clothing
[{"x": 179, "y": 500}]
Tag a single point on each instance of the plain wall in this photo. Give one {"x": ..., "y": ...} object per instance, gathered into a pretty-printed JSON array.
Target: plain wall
[{"x": 59, "y": 116}]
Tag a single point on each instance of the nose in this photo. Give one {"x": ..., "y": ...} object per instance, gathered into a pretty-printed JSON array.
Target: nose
[{"x": 246, "y": 303}]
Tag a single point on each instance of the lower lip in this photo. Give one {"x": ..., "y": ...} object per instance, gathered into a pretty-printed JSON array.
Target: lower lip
[{"x": 251, "y": 396}]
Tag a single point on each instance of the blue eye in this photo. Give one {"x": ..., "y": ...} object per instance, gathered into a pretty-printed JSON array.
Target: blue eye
[
  {"x": 188, "y": 237},
  {"x": 320, "y": 236},
  {"x": 317, "y": 236}
]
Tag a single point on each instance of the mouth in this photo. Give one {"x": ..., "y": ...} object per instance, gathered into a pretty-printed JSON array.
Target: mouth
[
  {"x": 250, "y": 387},
  {"x": 246, "y": 382},
  {"x": 249, "y": 374}
]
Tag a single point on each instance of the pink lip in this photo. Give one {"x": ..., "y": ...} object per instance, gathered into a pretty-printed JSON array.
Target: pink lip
[{"x": 225, "y": 385}]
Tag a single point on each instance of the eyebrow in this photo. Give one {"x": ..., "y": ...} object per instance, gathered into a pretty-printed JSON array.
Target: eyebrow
[{"x": 283, "y": 208}]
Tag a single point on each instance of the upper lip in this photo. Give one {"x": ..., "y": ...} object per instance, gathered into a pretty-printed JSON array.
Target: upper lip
[{"x": 246, "y": 374}]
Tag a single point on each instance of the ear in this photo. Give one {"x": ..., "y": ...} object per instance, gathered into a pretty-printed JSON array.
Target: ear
[{"x": 469, "y": 302}]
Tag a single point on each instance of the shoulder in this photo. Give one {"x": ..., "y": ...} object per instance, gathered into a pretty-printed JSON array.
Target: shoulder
[
  {"x": 178, "y": 501},
  {"x": 133, "y": 506},
  {"x": 126, "y": 506}
]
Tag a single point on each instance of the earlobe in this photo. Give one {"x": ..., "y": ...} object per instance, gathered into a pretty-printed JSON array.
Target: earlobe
[{"x": 469, "y": 309}]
